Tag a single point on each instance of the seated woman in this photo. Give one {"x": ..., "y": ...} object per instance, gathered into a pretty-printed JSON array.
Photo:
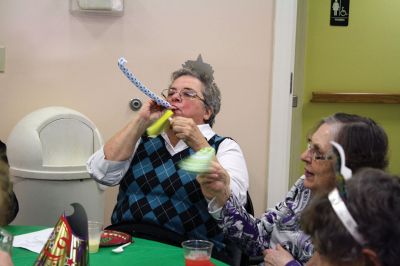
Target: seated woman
[
  {"x": 365, "y": 143},
  {"x": 8, "y": 201},
  {"x": 372, "y": 198}
]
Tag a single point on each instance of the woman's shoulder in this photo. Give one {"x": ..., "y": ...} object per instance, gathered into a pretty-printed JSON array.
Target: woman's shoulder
[{"x": 299, "y": 194}]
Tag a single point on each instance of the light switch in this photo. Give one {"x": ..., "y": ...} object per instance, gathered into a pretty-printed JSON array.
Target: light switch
[
  {"x": 95, "y": 4},
  {"x": 2, "y": 58}
]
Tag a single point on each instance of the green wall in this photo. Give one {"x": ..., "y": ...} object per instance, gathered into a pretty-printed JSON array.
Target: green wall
[{"x": 362, "y": 57}]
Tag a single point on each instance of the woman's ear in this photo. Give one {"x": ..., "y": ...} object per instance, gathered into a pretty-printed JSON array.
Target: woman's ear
[
  {"x": 371, "y": 256},
  {"x": 207, "y": 113}
]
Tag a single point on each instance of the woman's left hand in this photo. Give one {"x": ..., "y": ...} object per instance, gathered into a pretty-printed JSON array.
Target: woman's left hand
[
  {"x": 215, "y": 183},
  {"x": 277, "y": 256},
  {"x": 186, "y": 129}
]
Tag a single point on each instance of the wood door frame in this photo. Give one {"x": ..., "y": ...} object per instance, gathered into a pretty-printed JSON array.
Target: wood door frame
[{"x": 281, "y": 100}]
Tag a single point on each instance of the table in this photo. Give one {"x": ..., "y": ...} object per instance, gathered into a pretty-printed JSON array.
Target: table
[{"x": 142, "y": 252}]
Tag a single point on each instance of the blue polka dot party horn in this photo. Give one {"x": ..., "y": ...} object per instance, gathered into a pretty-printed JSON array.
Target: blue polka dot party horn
[
  {"x": 157, "y": 127},
  {"x": 140, "y": 86}
]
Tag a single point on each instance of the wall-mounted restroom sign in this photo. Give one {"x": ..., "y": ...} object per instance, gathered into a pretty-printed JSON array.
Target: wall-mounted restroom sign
[{"x": 340, "y": 12}]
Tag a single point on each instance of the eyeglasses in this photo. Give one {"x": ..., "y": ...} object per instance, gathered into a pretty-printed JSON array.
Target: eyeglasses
[
  {"x": 183, "y": 94},
  {"x": 317, "y": 155}
]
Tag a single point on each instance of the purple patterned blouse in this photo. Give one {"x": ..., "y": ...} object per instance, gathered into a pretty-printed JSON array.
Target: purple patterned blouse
[{"x": 278, "y": 225}]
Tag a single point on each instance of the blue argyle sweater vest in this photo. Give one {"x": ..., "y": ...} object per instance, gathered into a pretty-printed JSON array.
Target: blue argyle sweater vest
[{"x": 156, "y": 191}]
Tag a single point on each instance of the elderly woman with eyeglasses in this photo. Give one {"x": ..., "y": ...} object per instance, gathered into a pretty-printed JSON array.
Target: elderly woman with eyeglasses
[
  {"x": 277, "y": 233},
  {"x": 154, "y": 190},
  {"x": 372, "y": 200}
]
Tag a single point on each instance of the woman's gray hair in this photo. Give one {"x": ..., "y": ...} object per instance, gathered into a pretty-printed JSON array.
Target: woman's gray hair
[
  {"x": 364, "y": 141},
  {"x": 210, "y": 90}
]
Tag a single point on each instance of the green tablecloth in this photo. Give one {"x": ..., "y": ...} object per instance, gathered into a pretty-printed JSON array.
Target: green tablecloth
[{"x": 142, "y": 252}]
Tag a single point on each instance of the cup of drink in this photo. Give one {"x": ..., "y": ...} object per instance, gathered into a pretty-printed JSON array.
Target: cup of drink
[
  {"x": 6, "y": 241},
  {"x": 95, "y": 230},
  {"x": 197, "y": 252}
]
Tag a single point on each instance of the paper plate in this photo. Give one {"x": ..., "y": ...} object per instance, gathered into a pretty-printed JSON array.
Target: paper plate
[{"x": 114, "y": 238}]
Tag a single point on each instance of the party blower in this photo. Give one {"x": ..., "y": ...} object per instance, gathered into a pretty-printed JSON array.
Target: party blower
[
  {"x": 199, "y": 162},
  {"x": 158, "y": 126}
]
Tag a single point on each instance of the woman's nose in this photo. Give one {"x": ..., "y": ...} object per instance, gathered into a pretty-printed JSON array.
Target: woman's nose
[
  {"x": 306, "y": 156},
  {"x": 176, "y": 97}
]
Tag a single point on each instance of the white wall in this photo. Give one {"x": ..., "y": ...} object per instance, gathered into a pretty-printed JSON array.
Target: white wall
[
  {"x": 298, "y": 88},
  {"x": 55, "y": 58}
]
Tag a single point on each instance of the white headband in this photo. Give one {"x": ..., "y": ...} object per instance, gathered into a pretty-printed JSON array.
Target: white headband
[
  {"x": 337, "y": 202},
  {"x": 345, "y": 217}
]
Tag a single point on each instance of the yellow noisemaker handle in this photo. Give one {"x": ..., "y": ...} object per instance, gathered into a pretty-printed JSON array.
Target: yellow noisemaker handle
[{"x": 157, "y": 127}]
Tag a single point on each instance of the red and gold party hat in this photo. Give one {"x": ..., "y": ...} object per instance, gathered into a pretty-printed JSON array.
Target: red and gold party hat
[{"x": 68, "y": 243}]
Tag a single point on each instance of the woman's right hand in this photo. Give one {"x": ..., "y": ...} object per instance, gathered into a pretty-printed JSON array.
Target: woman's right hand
[
  {"x": 121, "y": 146},
  {"x": 150, "y": 112}
]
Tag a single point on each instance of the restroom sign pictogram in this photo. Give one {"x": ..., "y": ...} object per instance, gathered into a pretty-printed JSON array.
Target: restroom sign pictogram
[{"x": 340, "y": 12}]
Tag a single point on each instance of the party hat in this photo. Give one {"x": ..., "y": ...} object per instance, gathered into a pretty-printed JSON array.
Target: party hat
[
  {"x": 199, "y": 66},
  {"x": 68, "y": 243},
  {"x": 199, "y": 162}
]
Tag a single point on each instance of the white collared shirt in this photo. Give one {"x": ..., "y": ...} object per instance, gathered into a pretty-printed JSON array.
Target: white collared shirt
[{"x": 229, "y": 155}]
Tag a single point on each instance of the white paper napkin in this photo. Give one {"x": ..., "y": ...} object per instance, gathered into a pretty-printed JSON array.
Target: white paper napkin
[{"x": 33, "y": 241}]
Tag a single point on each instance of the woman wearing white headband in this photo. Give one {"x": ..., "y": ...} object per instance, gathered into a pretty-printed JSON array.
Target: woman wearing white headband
[{"x": 372, "y": 199}]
